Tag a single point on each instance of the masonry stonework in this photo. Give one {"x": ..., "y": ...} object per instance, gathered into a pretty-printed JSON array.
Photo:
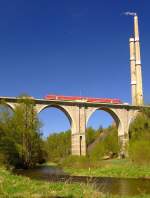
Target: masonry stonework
[{"x": 78, "y": 114}]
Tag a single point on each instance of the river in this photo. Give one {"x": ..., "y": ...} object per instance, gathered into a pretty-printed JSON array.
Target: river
[{"x": 117, "y": 186}]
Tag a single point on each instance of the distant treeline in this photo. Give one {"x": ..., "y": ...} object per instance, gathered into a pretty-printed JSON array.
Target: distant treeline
[{"x": 99, "y": 142}]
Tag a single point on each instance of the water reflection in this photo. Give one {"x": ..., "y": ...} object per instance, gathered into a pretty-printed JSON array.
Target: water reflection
[{"x": 104, "y": 184}]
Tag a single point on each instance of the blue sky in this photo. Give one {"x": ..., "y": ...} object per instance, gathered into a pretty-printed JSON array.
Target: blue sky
[{"x": 70, "y": 47}]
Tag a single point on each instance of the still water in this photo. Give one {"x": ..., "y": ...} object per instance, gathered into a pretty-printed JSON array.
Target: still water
[{"x": 104, "y": 184}]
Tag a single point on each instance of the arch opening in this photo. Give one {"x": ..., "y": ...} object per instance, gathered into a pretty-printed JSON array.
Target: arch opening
[
  {"x": 56, "y": 131},
  {"x": 7, "y": 109},
  {"x": 102, "y": 133},
  {"x": 59, "y": 116}
]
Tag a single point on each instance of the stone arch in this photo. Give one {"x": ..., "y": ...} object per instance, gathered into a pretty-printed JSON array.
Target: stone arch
[
  {"x": 63, "y": 109},
  {"x": 111, "y": 112},
  {"x": 10, "y": 105},
  {"x": 116, "y": 114},
  {"x": 132, "y": 117}
]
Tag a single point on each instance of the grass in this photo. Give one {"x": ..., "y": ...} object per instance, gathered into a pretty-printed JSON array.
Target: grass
[
  {"x": 110, "y": 168},
  {"x": 13, "y": 186}
]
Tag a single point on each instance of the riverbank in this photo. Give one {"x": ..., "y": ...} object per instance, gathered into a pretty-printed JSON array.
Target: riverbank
[
  {"x": 14, "y": 186},
  {"x": 108, "y": 168}
]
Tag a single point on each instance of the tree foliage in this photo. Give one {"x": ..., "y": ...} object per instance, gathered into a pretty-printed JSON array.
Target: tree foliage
[
  {"x": 58, "y": 145},
  {"x": 139, "y": 147},
  {"x": 20, "y": 136},
  {"x": 107, "y": 144},
  {"x": 91, "y": 135},
  {"x": 140, "y": 127}
]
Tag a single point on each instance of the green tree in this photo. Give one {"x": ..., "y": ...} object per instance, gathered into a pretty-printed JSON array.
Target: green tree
[
  {"x": 139, "y": 144},
  {"x": 107, "y": 144},
  {"x": 90, "y": 135},
  {"x": 20, "y": 136},
  {"x": 58, "y": 145},
  {"x": 111, "y": 141},
  {"x": 140, "y": 127}
]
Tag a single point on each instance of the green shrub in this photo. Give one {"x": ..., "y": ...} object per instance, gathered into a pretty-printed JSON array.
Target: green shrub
[
  {"x": 80, "y": 162},
  {"x": 98, "y": 151},
  {"x": 139, "y": 144},
  {"x": 75, "y": 161},
  {"x": 58, "y": 146},
  {"x": 91, "y": 135},
  {"x": 108, "y": 145},
  {"x": 111, "y": 141},
  {"x": 139, "y": 151}
]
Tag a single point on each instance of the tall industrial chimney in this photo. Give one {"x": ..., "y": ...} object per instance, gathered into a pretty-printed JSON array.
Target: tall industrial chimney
[
  {"x": 133, "y": 71},
  {"x": 139, "y": 89}
]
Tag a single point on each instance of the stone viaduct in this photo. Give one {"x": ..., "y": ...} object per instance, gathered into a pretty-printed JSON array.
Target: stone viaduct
[{"x": 78, "y": 114}]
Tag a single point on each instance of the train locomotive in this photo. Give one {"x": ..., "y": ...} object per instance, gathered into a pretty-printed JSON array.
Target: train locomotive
[{"x": 82, "y": 99}]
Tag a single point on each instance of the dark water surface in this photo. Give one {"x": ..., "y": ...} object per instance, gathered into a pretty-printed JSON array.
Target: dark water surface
[{"x": 104, "y": 184}]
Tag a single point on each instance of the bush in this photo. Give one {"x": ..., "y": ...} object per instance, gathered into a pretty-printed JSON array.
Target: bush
[
  {"x": 139, "y": 151},
  {"x": 108, "y": 145},
  {"x": 98, "y": 151},
  {"x": 139, "y": 144},
  {"x": 58, "y": 146},
  {"x": 91, "y": 135},
  {"x": 80, "y": 162},
  {"x": 75, "y": 161}
]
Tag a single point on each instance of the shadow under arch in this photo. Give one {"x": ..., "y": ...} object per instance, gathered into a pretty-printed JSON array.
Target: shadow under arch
[{"x": 61, "y": 109}]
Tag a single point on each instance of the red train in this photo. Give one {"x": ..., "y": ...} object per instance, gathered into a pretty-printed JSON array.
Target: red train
[{"x": 82, "y": 99}]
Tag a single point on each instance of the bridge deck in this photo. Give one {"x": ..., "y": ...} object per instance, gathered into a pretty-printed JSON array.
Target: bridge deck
[{"x": 73, "y": 103}]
